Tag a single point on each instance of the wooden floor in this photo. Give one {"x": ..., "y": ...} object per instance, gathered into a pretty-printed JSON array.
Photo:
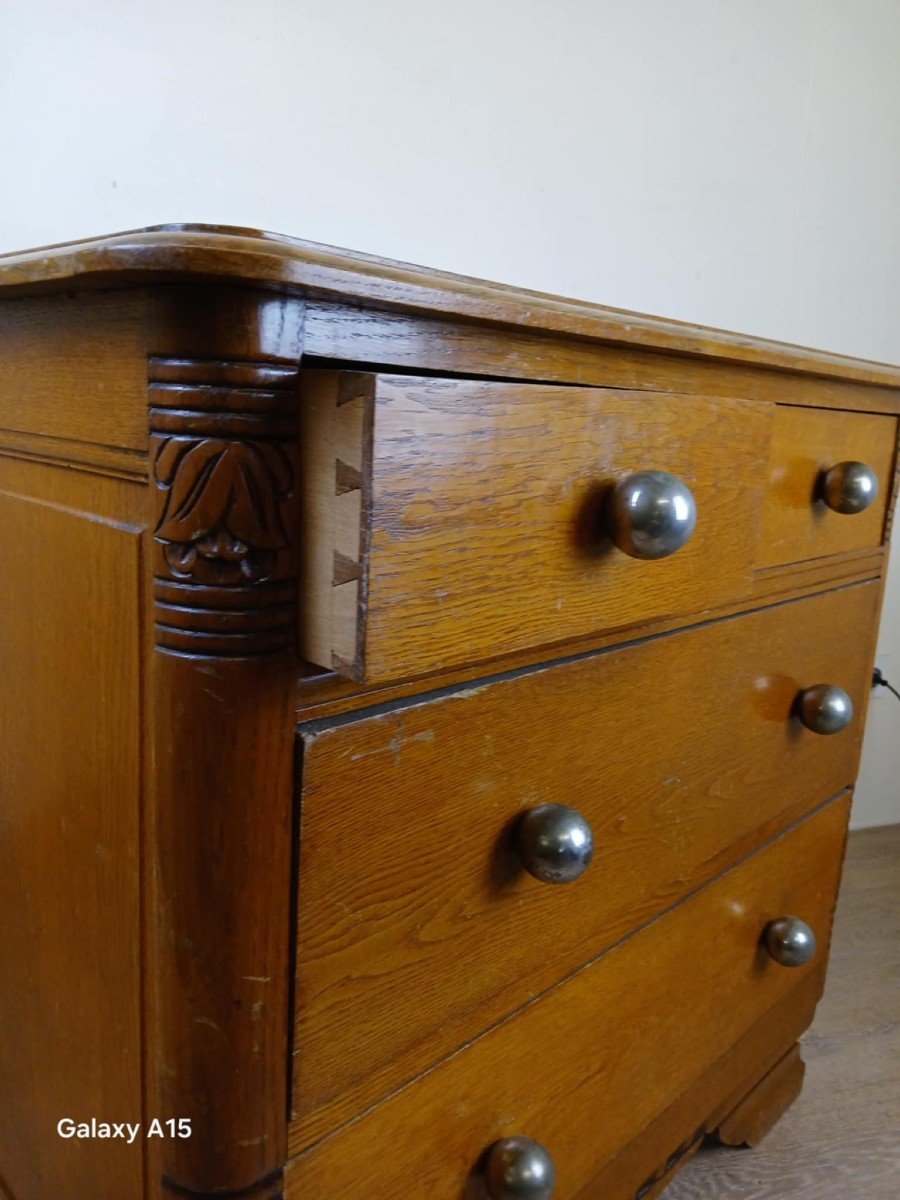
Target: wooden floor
[{"x": 841, "y": 1140}]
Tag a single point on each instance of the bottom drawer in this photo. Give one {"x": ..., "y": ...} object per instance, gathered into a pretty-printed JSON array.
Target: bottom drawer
[{"x": 587, "y": 1066}]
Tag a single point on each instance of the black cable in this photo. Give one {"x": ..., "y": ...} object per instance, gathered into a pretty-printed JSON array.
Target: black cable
[{"x": 878, "y": 680}]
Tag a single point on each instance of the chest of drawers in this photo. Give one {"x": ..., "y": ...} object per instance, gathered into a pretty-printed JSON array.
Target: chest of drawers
[{"x": 430, "y": 718}]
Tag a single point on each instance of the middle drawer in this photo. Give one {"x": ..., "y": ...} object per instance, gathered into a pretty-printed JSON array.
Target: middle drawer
[{"x": 418, "y": 926}]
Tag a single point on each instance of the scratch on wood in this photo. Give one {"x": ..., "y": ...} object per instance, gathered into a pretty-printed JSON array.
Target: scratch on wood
[
  {"x": 257, "y": 1141},
  {"x": 208, "y": 1021},
  {"x": 395, "y": 745}
]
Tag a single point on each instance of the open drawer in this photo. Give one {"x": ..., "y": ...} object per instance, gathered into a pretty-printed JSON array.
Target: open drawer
[{"x": 450, "y": 521}]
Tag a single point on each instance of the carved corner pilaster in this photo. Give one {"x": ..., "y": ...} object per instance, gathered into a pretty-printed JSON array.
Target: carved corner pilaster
[
  {"x": 224, "y": 447},
  {"x": 223, "y": 412}
]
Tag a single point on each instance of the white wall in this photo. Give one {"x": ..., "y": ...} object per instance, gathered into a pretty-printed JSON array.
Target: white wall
[{"x": 734, "y": 162}]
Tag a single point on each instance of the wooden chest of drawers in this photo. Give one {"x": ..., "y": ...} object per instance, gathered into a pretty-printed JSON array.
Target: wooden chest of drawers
[{"x": 430, "y": 718}]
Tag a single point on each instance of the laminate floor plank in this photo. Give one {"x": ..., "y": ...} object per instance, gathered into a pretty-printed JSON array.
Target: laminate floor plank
[{"x": 841, "y": 1140}]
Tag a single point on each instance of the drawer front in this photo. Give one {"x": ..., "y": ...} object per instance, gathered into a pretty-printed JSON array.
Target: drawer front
[
  {"x": 418, "y": 927},
  {"x": 797, "y": 523},
  {"x": 587, "y": 1066},
  {"x": 455, "y": 520}
]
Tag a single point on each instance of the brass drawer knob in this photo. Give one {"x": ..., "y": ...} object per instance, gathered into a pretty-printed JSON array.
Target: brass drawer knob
[
  {"x": 651, "y": 514},
  {"x": 790, "y": 942},
  {"x": 849, "y": 487},
  {"x": 825, "y": 708},
  {"x": 518, "y": 1168},
  {"x": 555, "y": 843}
]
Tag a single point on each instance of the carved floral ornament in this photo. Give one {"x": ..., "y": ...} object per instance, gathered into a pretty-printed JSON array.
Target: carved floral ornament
[{"x": 221, "y": 521}]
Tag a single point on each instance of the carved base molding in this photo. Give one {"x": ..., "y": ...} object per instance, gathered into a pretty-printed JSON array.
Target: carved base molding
[
  {"x": 223, "y": 449},
  {"x": 223, "y": 415}
]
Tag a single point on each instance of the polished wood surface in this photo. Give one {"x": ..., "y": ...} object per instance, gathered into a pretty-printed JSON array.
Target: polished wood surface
[
  {"x": 796, "y": 523},
  {"x": 222, "y": 414},
  {"x": 255, "y": 257},
  {"x": 485, "y": 517},
  {"x": 681, "y": 752},
  {"x": 583, "y": 1066},
  {"x": 54, "y": 383},
  {"x": 70, "y": 933},
  {"x": 325, "y": 694},
  {"x": 839, "y": 1141},
  {"x": 379, "y": 339},
  {"x": 175, "y": 603}
]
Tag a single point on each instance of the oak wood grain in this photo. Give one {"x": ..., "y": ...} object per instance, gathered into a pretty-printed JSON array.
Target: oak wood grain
[
  {"x": 831, "y": 569},
  {"x": 382, "y": 339},
  {"x": 839, "y": 1141},
  {"x": 70, "y": 782},
  {"x": 531, "y": 1075},
  {"x": 681, "y": 752},
  {"x": 644, "y": 1167},
  {"x": 253, "y": 257},
  {"x": 149, "y": 407},
  {"x": 796, "y": 523},
  {"x": 486, "y": 526},
  {"x": 323, "y": 694},
  {"x": 54, "y": 383},
  {"x": 222, "y": 405},
  {"x": 85, "y": 456}
]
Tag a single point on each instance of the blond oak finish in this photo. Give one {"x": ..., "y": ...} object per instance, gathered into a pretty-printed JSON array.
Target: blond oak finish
[
  {"x": 796, "y": 522},
  {"x": 485, "y": 524},
  {"x": 70, "y": 767},
  {"x": 583, "y": 1066}
]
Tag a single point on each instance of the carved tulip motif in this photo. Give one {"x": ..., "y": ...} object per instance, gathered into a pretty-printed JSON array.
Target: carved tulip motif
[{"x": 222, "y": 520}]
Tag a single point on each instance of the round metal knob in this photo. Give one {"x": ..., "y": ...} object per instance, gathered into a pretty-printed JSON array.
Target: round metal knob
[
  {"x": 790, "y": 941},
  {"x": 555, "y": 843},
  {"x": 651, "y": 514},
  {"x": 825, "y": 708},
  {"x": 849, "y": 487},
  {"x": 518, "y": 1168}
]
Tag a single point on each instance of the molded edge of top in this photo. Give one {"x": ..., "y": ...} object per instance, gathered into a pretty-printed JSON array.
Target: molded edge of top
[{"x": 213, "y": 252}]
